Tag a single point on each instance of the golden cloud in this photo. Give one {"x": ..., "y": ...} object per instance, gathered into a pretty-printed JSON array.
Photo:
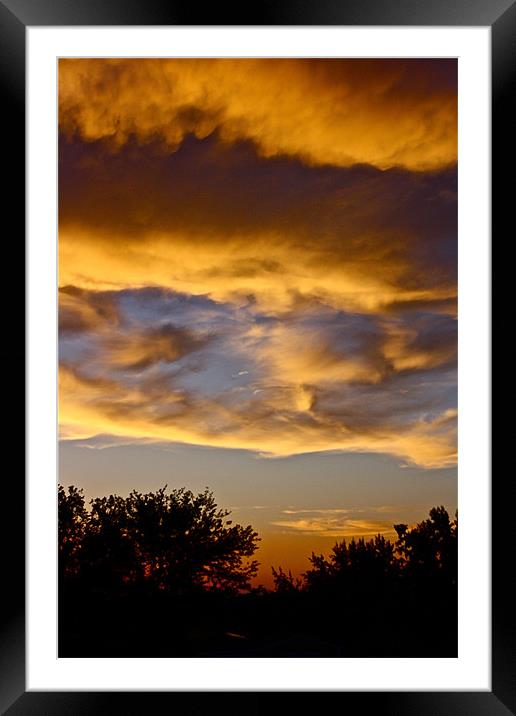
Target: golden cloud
[
  {"x": 331, "y": 526},
  {"x": 271, "y": 423},
  {"x": 179, "y": 264},
  {"x": 342, "y": 112},
  {"x": 236, "y": 182},
  {"x": 224, "y": 222}
]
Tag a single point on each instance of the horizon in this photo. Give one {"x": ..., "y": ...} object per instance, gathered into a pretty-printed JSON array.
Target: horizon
[{"x": 297, "y": 545}]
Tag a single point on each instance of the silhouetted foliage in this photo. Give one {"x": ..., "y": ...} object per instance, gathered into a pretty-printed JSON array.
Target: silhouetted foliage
[
  {"x": 396, "y": 591},
  {"x": 167, "y": 574},
  {"x": 73, "y": 519},
  {"x": 176, "y": 542},
  {"x": 285, "y": 582},
  {"x": 424, "y": 553},
  {"x": 428, "y": 551},
  {"x": 357, "y": 564}
]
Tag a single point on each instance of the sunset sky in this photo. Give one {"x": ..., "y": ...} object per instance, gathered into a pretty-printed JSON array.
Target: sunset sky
[{"x": 258, "y": 289}]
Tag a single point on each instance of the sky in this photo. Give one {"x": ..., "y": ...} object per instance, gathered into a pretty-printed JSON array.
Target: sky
[{"x": 258, "y": 289}]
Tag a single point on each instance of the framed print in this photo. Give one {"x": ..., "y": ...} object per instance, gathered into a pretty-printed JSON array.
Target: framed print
[{"x": 258, "y": 367}]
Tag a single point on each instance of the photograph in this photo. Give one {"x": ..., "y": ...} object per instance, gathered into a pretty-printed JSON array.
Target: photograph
[{"x": 257, "y": 391}]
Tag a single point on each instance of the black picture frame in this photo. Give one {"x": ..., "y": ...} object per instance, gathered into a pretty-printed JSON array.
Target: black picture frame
[{"x": 15, "y": 17}]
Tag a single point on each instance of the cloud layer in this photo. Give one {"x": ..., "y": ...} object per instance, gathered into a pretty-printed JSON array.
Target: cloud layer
[
  {"x": 260, "y": 254},
  {"x": 223, "y": 221},
  {"x": 317, "y": 380},
  {"x": 340, "y": 112}
]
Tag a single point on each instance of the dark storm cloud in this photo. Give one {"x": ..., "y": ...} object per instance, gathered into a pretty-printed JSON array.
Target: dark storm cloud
[{"x": 395, "y": 225}]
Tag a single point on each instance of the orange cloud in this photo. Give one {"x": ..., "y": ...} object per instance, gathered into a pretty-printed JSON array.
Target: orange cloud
[
  {"x": 272, "y": 423},
  {"x": 331, "y": 526},
  {"x": 342, "y": 112},
  {"x": 224, "y": 222},
  {"x": 311, "y": 204}
]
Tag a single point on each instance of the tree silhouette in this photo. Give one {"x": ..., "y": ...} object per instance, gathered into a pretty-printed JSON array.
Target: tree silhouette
[
  {"x": 428, "y": 552},
  {"x": 423, "y": 556},
  {"x": 73, "y": 520},
  {"x": 357, "y": 565},
  {"x": 168, "y": 574},
  {"x": 176, "y": 542},
  {"x": 284, "y": 582}
]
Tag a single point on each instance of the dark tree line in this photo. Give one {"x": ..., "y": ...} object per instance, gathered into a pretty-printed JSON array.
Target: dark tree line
[
  {"x": 424, "y": 556},
  {"x": 176, "y": 542},
  {"x": 168, "y": 574}
]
